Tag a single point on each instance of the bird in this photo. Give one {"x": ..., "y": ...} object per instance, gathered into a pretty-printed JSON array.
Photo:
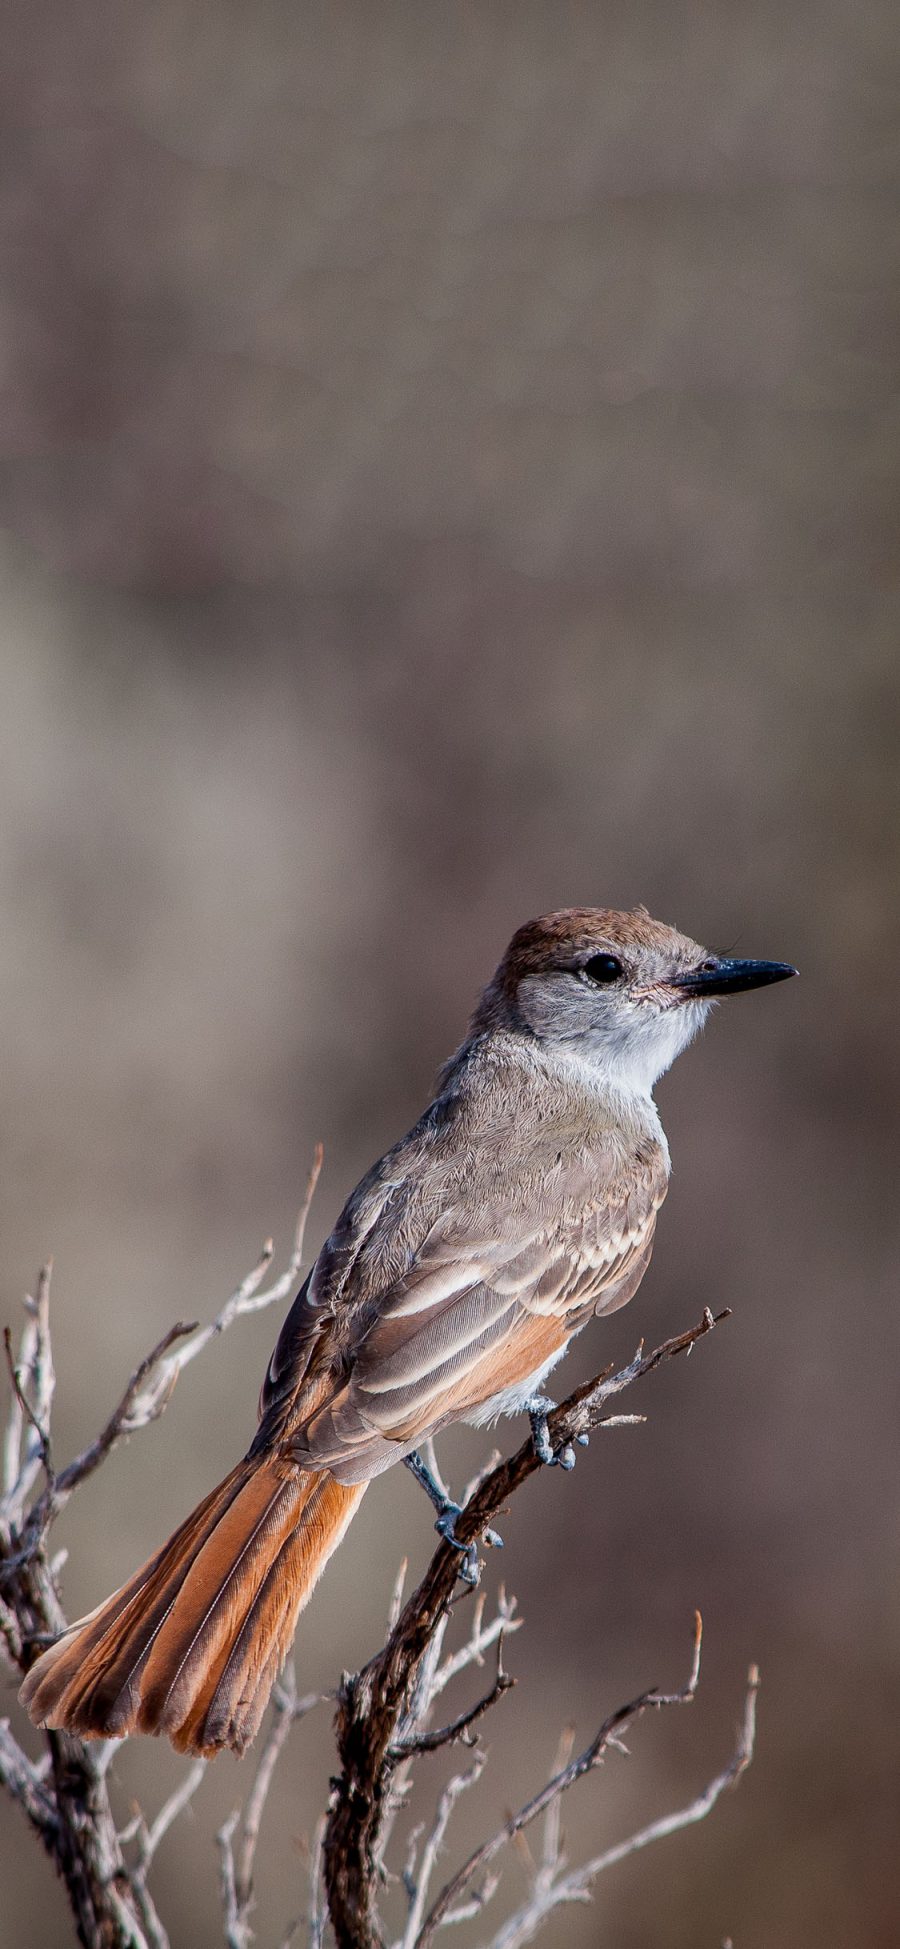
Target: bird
[{"x": 520, "y": 1206}]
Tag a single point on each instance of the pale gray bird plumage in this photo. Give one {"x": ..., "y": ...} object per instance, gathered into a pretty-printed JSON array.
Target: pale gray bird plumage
[{"x": 521, "y": 1204}]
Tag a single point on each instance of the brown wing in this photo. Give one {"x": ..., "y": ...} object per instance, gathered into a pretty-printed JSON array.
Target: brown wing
[
  {"x": 307, "y": 1338},
  {"x": 485, "y": 1305}
]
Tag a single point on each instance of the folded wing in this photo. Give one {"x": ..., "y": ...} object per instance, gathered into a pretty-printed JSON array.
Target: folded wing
[{"x": 489, "y": 1299}]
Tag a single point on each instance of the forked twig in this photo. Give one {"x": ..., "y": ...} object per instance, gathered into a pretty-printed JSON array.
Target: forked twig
[
  {"x": 148, "y": 1401},
  {"x": 65, "y": 1797},
  {"x": 26, "y": 1412},
  {"x": 419, "y": 1884},
  {"x": 557, "y": 1888},
  {"x": 385, "y": 1713},
  {"x": 610, "y": 1734},
  {"x": 373, "y": 1706},
  {"x": 430, "y": 1742}
]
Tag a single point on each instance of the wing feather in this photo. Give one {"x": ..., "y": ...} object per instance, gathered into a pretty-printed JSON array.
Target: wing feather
[
  {"x": 457, "y": 1270},
  {"x": 463, "y": 1325}
]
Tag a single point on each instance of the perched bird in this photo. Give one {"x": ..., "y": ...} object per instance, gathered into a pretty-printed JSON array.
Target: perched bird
[{"x": 521, "y": 1204}]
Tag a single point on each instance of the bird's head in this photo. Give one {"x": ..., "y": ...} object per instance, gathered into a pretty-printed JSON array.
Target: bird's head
[{"x": 622, "y": 991}]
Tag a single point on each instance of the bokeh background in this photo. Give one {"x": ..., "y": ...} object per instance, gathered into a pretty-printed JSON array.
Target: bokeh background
[{"x": 449, "y": 470}]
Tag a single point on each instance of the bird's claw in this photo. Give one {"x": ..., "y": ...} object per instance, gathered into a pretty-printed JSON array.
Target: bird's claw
[
  {"x": 447, "y": 1513},
  {"x": 470, "y": 1567},
  {"x": 563, "y": 1457},
  {"x": 543, "y": 1447}
]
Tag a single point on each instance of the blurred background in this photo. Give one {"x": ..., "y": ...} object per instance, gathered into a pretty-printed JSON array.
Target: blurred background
[{"x": 450, "y": 470}]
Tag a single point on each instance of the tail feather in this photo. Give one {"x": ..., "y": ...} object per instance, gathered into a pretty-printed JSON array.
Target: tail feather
[
  {"x": 192, "y": 1643},
  {"x": 212, "y": 1603},
  {"x": 239, "y": 1685},
  {"x": 87, "y": 1672}
]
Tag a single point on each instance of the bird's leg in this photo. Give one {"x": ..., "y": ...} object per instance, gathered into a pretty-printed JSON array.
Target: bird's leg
[
  {"x": 447, "y": 1512},
  {"x": 537, "y": 1410}
]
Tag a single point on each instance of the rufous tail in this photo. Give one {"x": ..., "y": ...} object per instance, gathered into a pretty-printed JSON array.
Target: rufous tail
[{"x": 192, "y": 1644}]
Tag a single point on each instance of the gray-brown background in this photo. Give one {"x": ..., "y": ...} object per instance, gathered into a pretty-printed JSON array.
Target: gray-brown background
[{"x": 449, "y": 469}]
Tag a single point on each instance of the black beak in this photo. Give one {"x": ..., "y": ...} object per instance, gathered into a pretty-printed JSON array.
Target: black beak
[{"x": 720, "y": 976}]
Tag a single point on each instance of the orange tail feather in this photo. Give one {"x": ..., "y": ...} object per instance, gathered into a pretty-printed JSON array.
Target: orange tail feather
[{"x": 191, "y": 1645}]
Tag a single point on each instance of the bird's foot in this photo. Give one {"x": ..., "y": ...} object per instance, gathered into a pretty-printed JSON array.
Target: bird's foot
[
  {"x": 537, "y": 1410},
  {"x": 447, "y": 1513},
  {"x": 469, "y": 1566}
]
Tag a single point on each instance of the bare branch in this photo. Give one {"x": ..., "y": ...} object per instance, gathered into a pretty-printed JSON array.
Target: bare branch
[
  {"x": 66, "y": 1798},
  {"x": 609, "y": 1734},
  {"x": 146, "y": 1396},
  {"x": 150, "y": 1389},
  {"x": 551, "y": 1850},
  {"x": 170, "y": 1810},
  {"x": 430, "y": 1742},
  {"x": 246, "y": 1297},
  {"x": 704, "y": 1802},
  {"x": 418, "y": 1887},
  {"x": 482, "y": 1473},
  {"x": 15, "y": 1422},
  {"x": 31, "y": 1402},
  {"x": 384, "y": 1713},
  {"x": 236, "y": 1875},
  {"x": 237, "y": 1929},
  {"x": 374, "y": 1706},
  {"x": 579, "y": 1414},
  {"x": 553, "y": 1888},
  {"x": 29, "y": 1414},
  {"x": 43, "y": 1377},
  {"x": 317, "y": 1910},
  {"x": 430, "y": 1680},
  {"x": 479, "y": 1641},
  {"x": 22, "y": 1779},
  {"x": 287, "y": 1709},
  {"x": 133, "y": 1412}
]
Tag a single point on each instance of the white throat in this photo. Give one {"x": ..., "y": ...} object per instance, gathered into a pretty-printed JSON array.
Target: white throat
[{"x": 628, "y": 1054}]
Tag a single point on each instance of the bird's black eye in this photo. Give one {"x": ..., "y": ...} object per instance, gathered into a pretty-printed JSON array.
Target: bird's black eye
[{"x": 602, "y": 967}]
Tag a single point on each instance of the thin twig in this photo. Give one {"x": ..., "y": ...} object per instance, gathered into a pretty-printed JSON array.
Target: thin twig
[
  {"x": 396, "y": 1603},
  {"x": 317, "y": 1909},
  {"x": 521, "y": 1927},
  {"x": 431, "y": 1849},
  {"x": 246, "y": 1297},
  {"x": 430, "y": 1742},
  {"x": 170, "y": 1810},
  {"x": 136, "y": 1409},
  {"x": 286, "y": 1710},
  {"x": 609, "y": 1734},
  {"x": 237, "y": 1931},
  {"x": 433, "y": 1675},
  {"x": 21, "y": 1778},
  {"x": 15, "y": 1422},
  {"x": 481, "y": 1474},
  {"x": 66, "y": 1797},
  {"x": 374, "y": 1705},
  {"x": 149, "y": 1390},
  {"x": 43, "y": 1377},
  {"x": 16, "y": 1419},
  {"x": 479, "y": 1641},
  {"x": 551, "y": 1849},
  {"x": 41, "y": 1433},
  {"x": 236, "y": 1874},
  {"x": 33, "y": 1371}
]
